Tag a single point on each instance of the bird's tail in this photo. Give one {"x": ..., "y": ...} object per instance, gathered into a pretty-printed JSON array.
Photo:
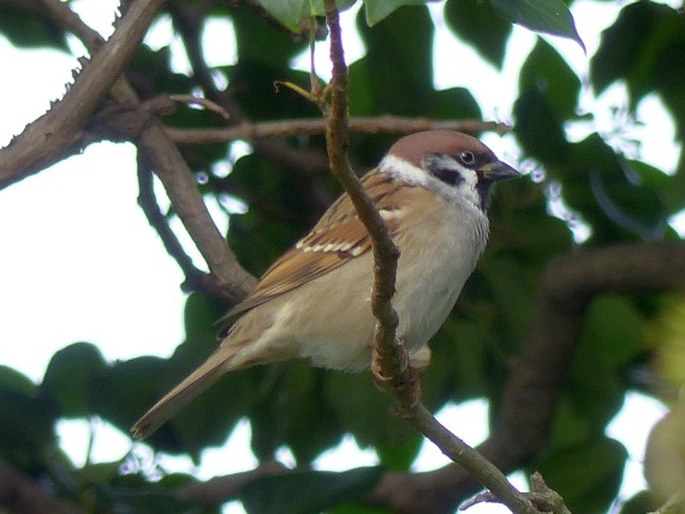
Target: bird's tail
[{"x": 196, "y": 383}]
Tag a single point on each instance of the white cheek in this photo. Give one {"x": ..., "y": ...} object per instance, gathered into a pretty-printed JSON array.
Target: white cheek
[
  {"x": 397, "y": 167},
  {"x": 470, "y": 176}
]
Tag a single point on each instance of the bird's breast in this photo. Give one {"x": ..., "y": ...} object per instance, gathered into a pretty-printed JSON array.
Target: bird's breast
[{"x": 439, "y": 251}]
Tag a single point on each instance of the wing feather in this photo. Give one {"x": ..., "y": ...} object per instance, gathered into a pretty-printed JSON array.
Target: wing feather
[{"x": 337, "y": 238}]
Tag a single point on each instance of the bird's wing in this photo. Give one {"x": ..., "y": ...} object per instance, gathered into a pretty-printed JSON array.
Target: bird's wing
[{"x": 337, "y": 238}]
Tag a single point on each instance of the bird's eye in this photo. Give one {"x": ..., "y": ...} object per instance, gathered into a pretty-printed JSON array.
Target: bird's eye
[{"x": 467, "y": 157}]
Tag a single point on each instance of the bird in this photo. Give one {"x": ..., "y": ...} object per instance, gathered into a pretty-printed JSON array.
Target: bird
[{"x": 433, "y": 190}]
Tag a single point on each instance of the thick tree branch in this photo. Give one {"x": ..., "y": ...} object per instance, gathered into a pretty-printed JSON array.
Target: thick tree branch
[
  {"x": 45, "y": 140},
  {"x": 178, "y": 180},
  {"x": 128, "y": 119},
  {"x": 569, "y": 284}
]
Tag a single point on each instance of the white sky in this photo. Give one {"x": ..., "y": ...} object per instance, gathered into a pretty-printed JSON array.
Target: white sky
[{"x": 80, "y": 263}]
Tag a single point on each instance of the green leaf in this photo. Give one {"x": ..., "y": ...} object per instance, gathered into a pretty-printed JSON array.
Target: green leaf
[
  {"x": 291, "y": 13},
  {"x": 640, "y": 503},
  {"x": 508, "y": 280},
  {"x": 317, "y": 6},
  {"x": 399, "y": 456},
  {"x": 377, "y": 10},
  {"x": 475, "y": 22},
  {"x": 128, "y": 389},
  {"x": 200, "y": 315},
  {"x": 71, "y": 378},
  {"x": 287, "y": 12},
  {"x": 292, "y": 409},
  {"x": 399, "y": 62},
  {"x": 363, "y": 411},
  {"x": 535, "y": 237},
  {"x": 644, "y": 47},
  {"x": 130, "y": 493},
  {"x": 539, "y": 129},
  {"x": 546, "y": 71},
  {"x": 457, "y": 370},
  {"x": 453, "y": 103},
  {"x": 13, "y": 380},
  {"x": 259, "y": 236},
  {"x": 26, "y": 419},
  {"x": 631, "y": 47},
  {"x": 25, "y": 29},
  {"x": 598, "y": 183},
  {"x": 273, "y": 46},
  {"x": 596, "y": 374},
  {"x": 304, "y": 492},
  {"x": 587, "y": 477},
  {"x": 546, "y": 16},
  {"x": 570, "y": 428},
  {"x": 633, "y": 207}
]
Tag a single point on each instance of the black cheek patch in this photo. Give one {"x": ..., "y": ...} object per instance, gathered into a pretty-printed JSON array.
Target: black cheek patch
[
  {"x": 448, "y": 176},
  {"x": 484, "y": 188}
]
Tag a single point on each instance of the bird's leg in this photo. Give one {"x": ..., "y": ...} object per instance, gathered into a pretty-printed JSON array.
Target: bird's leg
[{"x": 404, "y": 384}]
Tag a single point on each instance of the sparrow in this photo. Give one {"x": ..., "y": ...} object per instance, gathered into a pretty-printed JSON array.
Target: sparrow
[{"x": 433, "y": 190}]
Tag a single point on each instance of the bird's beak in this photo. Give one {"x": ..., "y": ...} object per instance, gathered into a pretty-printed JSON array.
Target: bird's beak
[{"x": 498, "y": 170}]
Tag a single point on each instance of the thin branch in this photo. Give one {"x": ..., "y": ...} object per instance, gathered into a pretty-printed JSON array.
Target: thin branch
[
  {"x": 372, "y": 124},
  {"x": 386, "y": 253},
  {"x": 389, "y": 355},
  {"x": 204, "y": 102},
  {"x": 150, "y": 207},
  {"x": 544, "y": 498},
  {"x": 473, "y": 462}
]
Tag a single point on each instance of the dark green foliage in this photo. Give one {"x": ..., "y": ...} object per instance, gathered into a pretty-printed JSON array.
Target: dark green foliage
[
  {"x": 586, "y": 488},
  {"x": 475, "y": 22},
  {"x": 547, "y": 16},
  {"x": 27, "y": 29},
  {"x": 320, "y": 491}
]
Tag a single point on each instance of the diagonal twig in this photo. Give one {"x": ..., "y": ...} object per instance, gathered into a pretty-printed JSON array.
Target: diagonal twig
[{"x": 389, "y": 354}]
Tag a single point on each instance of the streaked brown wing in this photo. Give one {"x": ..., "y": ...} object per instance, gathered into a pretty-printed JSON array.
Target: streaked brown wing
[{"x": 337, "y": 238}]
